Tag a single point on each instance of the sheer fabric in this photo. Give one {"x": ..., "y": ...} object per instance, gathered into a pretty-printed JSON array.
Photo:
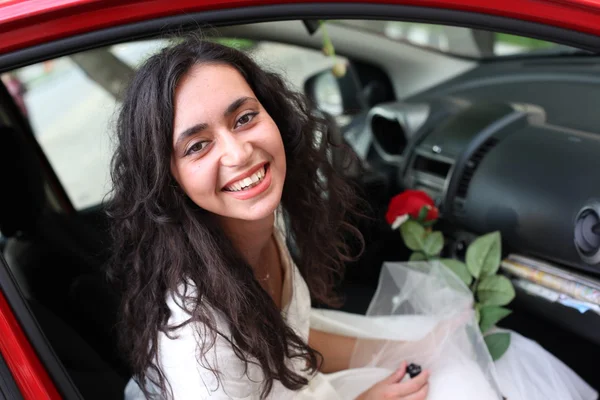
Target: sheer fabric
[{"x": 420, "y": 313}]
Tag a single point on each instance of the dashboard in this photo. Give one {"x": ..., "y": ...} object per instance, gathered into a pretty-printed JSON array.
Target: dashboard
[{"x": 502, "y": 162}]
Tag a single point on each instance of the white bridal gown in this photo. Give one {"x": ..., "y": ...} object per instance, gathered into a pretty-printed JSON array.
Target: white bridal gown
[{"x": 421, "y": 313}]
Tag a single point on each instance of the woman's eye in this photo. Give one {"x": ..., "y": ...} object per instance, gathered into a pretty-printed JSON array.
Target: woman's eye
[
  {"x": 245, "y": 119},
  {"x": 196, "y": 147}
]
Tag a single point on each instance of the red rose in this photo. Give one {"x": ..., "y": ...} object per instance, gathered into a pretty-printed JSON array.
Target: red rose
[{"x": 410, "y": 203}]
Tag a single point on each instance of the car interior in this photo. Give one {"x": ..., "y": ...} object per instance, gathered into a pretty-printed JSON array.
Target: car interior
[{"x": 502, "y": 134}]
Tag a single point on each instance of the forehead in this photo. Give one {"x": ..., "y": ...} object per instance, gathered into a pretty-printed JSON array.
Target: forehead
[{"x": 210, "y": 82}]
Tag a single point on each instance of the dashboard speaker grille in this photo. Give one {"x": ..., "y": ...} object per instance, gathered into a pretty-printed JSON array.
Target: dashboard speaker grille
[{"x": 472, "y": 164}]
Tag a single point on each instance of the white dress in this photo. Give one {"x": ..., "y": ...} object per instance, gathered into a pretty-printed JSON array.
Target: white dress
[{"x": 441, "y": 339}]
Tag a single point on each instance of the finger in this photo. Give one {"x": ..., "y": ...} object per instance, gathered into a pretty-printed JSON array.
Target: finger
[
  {"x": 419, "y": 395},
  {"x": 411, "y": 386},
  {"x": 397, "y": 375}
]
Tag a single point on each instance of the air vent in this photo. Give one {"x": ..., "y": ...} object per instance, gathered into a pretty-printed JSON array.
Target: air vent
[
  {"x": 389, "y": 134},
  {"x": 471, "y": 167},
  {"x": 430, "y": 166},
  {"x": 587, "y": 233}
]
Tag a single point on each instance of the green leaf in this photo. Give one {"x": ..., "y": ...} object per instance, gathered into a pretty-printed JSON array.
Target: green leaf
[
  {"x": 477, "y": 313},
  {"x": 417, "y": 256},
  {"x": 495, "y": 290},
  {"x": 459, "y": 268},
  {"x": 490, "y": 315},
  {"x": 413, "y": 235},
  {"x": 497, "y": 344},
  {"x": 423, "y": 213},
  {"x": 434, "y": 242},
  {"x": 483, "y": 255}
]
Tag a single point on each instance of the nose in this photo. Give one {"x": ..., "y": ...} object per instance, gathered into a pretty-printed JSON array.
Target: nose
[{"x": 236, "y": 150}]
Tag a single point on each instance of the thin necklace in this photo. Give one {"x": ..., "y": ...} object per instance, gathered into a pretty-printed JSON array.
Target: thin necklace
[{"x": 265, "y": 278}]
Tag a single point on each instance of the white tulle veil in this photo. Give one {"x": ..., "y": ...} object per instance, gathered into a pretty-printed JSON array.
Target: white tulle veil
[{"x": 421, "y": 313}]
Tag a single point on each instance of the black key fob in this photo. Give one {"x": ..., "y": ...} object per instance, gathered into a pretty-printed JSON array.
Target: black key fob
[{"x": 413, "y": 370}]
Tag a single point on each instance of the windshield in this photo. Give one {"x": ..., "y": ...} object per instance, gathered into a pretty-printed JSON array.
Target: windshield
[{"x": 464, "y": 42}]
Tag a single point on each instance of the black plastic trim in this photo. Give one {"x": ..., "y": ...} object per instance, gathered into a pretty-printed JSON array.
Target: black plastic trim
[
  {"x": 180, "y": 23},
  {"x": 477, "y": 83},
  {"x": 461, "y": 162},
  {"x": 8, "y": 386},
  {"x": 586, "y": 325},
  {"x": 34, "y": 333}
]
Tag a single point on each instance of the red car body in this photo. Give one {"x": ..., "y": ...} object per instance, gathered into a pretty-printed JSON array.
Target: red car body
[{"x": 27, "y": 23}]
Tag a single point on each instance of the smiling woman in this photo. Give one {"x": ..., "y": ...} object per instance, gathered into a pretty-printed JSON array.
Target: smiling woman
[
  {"x": 231, "y": 164},
  {"x": 198, "y": 123}
]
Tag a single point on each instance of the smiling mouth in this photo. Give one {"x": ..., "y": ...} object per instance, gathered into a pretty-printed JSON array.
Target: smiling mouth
[{"x": 249, "y": 182}]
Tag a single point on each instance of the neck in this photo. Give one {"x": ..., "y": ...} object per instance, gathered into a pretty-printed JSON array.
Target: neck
[{"x": 251, "y": 238}]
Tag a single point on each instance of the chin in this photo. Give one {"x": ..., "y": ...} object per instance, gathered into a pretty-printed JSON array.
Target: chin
[
  {"x": 260, "y": 210},
  {"x": 249, "y": 210}
]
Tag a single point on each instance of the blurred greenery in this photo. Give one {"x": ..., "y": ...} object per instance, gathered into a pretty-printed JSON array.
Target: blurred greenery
[
  {"x": 529, "y": 43},
  {"x": 240, "y": 44}
]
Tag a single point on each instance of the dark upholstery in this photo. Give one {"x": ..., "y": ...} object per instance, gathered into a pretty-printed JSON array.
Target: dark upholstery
[
  {"x": 52, "y": 255},
  {"x": 22, "y": 179},
  {"x": 46, "y": 249},
  {"x": 94, "y": 378}
]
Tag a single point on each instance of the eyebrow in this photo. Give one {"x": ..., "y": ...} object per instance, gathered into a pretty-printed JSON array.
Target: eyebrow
[{"x": 202, "y": 126}]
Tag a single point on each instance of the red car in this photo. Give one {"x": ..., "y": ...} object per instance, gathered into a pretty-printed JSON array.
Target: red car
[{"x": 489, "y": 106}]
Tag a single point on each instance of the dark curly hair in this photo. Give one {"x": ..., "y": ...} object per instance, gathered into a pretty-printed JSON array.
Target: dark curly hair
[{"x": 163, "y": 240}]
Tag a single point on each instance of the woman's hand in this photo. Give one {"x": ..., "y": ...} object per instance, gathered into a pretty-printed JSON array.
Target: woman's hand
[{"x": 392, "y": 387}]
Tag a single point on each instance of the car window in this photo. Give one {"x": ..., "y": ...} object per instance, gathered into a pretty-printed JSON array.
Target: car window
[
  {"x": 459, "y": 41},
  {"x": 72, "y": 103}
]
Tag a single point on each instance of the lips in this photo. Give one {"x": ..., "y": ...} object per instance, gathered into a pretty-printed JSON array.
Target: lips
[{"x": 247, "y": 180}]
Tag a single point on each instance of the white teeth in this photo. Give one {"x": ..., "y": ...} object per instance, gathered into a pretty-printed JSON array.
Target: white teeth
[{"x": 252, "y": 180}]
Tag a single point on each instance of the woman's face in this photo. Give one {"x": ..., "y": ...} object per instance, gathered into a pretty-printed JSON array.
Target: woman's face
[{"x": 228, "y": 156}]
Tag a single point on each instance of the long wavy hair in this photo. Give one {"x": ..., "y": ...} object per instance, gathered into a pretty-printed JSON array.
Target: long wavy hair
[{"x": 162, "y": 240}]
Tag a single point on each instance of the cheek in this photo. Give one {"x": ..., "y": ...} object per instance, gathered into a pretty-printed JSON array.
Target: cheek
[
  {"x": 275, "y": 143},
  {"x": 198, "y": 181}
]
